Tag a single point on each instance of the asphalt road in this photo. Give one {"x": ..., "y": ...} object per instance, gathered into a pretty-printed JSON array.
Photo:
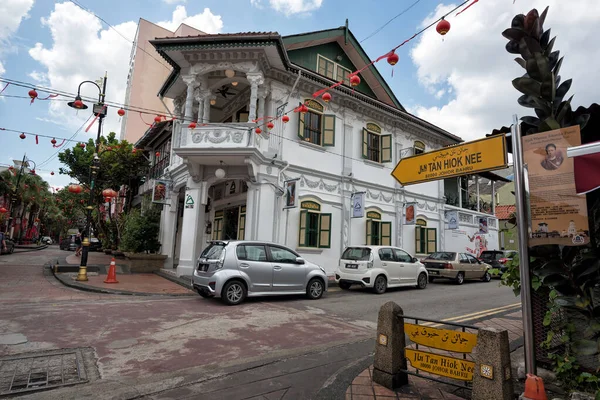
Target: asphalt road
[{"x": 176, "y": 347}]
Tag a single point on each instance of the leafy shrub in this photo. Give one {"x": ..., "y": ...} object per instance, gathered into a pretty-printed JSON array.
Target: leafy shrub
[{"x": 141, "y": 232}]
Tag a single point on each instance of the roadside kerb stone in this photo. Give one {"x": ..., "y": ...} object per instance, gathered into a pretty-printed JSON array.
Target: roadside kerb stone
[{"x": 492, "y": 378}]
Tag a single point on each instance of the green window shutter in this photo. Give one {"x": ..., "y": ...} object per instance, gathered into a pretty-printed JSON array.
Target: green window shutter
[
  {"x": 328, "y": 130},
  {"x": 217, "y": 229},
  {"x": 365, "y": 143},
  {"x": 386, "y": 148},
  {"x": 325, "y": 230},
  {"x": 418, "y": 241},
  {"x": 369, "y": 233},
  {"x": 302, "y": 230},
  {"x": 386, "y": 234},
  {"x": 301, "y": 125},
  {"x": 241, "y": 227},
  {"x": 431, "y": 240}
]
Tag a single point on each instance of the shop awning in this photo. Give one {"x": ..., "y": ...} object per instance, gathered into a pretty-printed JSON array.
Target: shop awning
[{"x": 587, "y": 166}]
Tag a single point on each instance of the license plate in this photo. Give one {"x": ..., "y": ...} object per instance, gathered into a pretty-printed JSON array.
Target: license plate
[
  {"x": 351, "y": 266},
  {"x": 434, "y": 272}
]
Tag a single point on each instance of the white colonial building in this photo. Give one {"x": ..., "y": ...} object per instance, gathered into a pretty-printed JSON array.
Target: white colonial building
[{"x": 228, "y": 181}]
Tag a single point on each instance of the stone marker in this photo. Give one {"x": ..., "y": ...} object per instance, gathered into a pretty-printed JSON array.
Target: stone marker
[
  {"x": 492, "y": 379},
  {"x": 389, "y": 349}
]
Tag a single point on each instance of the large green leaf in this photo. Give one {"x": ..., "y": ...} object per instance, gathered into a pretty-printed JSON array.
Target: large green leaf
[
  {"x": 548, "y": 48},
  {"x": 527, "y": 86},
  {"x": 555, "y": 68},
  {"x": 562, "y": 90},
  {"x": 543, "y": 16},
  {"x": 513, "y": 47},
  {"x": 537, "y": 67},
  {"x": 521, "y": 62},
  {"x": 564, "y": 107},
  {"x": 531, "y": 120},
  {"x": 518, "y": 21},
  {"x": 586, "y": 347}
]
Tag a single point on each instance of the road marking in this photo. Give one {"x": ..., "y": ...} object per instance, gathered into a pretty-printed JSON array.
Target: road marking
[{"x": 476, "y": 315}]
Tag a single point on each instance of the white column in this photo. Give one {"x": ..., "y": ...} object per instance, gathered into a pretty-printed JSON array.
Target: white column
[
  {"x": 494, "y": 198},
  {"x": 190, "y": 81},
  {"x": 460, "y": 191},
  {"x": 260, "y": 210},
  {"x": 255, "y": 79},
  {"x": 262, "y": 93},
  {"x": 193, "y": 227},
  {"x": 478, "y": 200},
  {"x": 207, "y": 96},
  {"x": 200, "y": 100},
  {"x": 168, "y": 227}
]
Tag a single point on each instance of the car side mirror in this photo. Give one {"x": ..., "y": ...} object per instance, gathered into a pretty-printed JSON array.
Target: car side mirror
[
  {"x": 299, "y": 260},
  {"x": 415, "y": 259}
]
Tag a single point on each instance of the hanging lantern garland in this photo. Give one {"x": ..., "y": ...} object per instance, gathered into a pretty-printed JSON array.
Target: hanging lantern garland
[
  {"x": 442, "y": 27},
  {"x": 33, "y": 94}
]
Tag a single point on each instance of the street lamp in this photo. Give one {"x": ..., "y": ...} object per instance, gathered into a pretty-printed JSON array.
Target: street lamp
[{"x": 99, "y": 110}]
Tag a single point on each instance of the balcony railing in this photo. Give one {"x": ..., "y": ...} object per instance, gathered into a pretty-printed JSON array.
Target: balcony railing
[{"x": 158, "y": 169}]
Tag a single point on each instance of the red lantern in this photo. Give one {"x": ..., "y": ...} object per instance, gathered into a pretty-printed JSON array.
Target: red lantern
[
  {"x": 78, "y": 104},
  {"x": 303, "y": 108},
  {"x": 134, "y": 150},
  {"x": 326, "y": 97},
  {"x": 121, "y": 112},
  {"x": 109, "y": 148},
  {"x": 258, "y": 131},
  {"x": 107, "y": 199},
  {"x": 53, "y": 141},
  {"x": 11, "y": 168},
  {"x": 3, "y": 210},
  {"x": 157, "y": 119},
  {"x": 157, "y": 154},
  {"x": 52, "y": 173},
  {"x": 82, "y": 145},
  {"x": 75, "y": 189},
  {"x": 33, "y": 172},
  {"x": 109, "y": 193},
  {"x": 393, "y": 59},
  {"x": 81, "y": 201},
  {"x": 355, "y": 80},
  {"x": 33, "y": 94},
  {"x": 443, "y": 27},
  {"x": 270, "y": 125},
  {"x": 22, "y": 136},
  {"x": 192, "y": 125},
  {"x": 285, "y": 119}
]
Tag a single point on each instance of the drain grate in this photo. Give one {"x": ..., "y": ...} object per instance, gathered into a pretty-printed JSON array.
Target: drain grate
[{"x": 39, "y": 372}]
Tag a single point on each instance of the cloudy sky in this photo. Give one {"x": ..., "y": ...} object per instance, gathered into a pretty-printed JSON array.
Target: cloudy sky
[{"x": 460, "y": 83}]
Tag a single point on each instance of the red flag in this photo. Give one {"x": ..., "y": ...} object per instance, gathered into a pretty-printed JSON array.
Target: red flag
[{"x": 587, "y": 172}]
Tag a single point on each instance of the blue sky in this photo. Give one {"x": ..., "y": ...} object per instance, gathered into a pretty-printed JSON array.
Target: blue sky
[{"x": 461, "y": 83}]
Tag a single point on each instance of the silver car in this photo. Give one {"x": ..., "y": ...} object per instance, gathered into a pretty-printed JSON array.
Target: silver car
[{"x": 234, "y": 270}]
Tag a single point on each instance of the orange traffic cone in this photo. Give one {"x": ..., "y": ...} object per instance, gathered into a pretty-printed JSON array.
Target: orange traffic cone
[
  {"x": 112, "y": 273},
  {"x": 534, "y": 388}
]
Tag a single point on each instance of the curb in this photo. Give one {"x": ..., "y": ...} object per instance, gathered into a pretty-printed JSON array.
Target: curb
[
  {"x": 93, "y": 289},
  {"x": 175, "y": 279},
  {"x": 25, "y": 249}
]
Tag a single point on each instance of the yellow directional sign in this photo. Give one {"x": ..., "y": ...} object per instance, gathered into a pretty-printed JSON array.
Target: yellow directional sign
[
  {"x": 464, "y": 159},
  {"x": 443, "y": 339},
  {"x": 437, "y": 364}
]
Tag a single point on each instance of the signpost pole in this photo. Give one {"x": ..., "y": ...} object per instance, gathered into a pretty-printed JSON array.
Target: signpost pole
[{"x": 522, "y": 222}]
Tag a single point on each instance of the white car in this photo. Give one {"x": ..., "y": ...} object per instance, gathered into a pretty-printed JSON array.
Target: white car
[{"x": 379, "y": 268}]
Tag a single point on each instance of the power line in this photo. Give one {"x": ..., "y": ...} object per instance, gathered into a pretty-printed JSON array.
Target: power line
[
  {"x": 388, "y": 22},
  {"x": 119, "y": 33},
  {"x": 57, "y": 151}
]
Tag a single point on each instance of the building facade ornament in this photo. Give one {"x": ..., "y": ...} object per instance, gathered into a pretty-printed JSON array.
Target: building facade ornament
[{"x": 218, "y": 136}]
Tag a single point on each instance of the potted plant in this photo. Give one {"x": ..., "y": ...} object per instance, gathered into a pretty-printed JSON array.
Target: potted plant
[{"x": 140, "y": 243}]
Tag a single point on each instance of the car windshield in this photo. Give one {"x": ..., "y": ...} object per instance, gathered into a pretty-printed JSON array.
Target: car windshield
[
  {"x": 491, "y": 256},
  {"x": 442, "y": 256},
  {"x": 213, "y": 251},
  {"x": 357, "y": 254}
]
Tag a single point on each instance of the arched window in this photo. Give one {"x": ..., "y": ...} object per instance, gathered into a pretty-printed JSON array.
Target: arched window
[
  {"x": 316, "y": 127},
  {"x": 419, "y": 147},
  {"x": 425, "y": 238},
  {"x": 315, "y": 226},
  {"x": 378, "y": 233},
  {"x": 376, "y": 146}
]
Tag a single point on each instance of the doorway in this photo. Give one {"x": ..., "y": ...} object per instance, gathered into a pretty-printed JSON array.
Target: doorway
[
  {"x": 229, "y": 224},
  {"x": 230, "y": 228}
]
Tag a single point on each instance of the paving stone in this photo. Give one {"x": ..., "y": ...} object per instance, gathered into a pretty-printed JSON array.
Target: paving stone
[{"x": 13, "y": 338}]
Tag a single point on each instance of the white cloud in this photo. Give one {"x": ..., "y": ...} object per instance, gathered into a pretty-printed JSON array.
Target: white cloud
[
  {"x": 471, "y": 62},
  {"x": 39, "y": 76},
  {"x": 82, "y": 50},
  {"x": 174, "y": 1},
  {"x": 2, "y": 70},
  {"x": 205, "y": 21},
  {"x": 291, "y": 7},
  {"x": 12, "y": 13}
]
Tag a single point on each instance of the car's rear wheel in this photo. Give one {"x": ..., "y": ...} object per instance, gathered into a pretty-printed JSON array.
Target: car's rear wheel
[
  {"x": 315, "y": 289},
  {"x": 487, "y": 276},
  {"x": 422, "y": 281},
  {"x": 460, "y": 278},
  {"x": 380, "y": 285},
  {"x": 344, "y": 285},
  {"x": 234, "y": 292}
]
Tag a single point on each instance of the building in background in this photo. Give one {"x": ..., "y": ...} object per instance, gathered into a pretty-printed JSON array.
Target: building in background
[{"x": 147, "y": 72}]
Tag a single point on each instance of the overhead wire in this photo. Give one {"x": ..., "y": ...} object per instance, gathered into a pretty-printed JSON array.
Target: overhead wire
[{"x": 390, "y": 21}]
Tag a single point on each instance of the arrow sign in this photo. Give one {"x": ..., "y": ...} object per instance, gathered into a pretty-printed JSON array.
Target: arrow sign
[{"x": 464, "y": 159}]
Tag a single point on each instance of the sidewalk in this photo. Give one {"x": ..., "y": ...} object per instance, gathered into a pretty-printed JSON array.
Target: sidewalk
[
  {"x": 363, "y": 387},
  {"x": 129, "y": 284}
]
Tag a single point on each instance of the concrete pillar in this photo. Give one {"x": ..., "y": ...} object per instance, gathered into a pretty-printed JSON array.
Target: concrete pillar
[
  {"x": 200, "y": 101},
  {"x": 389, "y": 347},
  {"x": 492, "y": 379},
  {"x": 168, "y": 226},
  {"x": 478, "y": 198},
  {"x": 262, "y": 93},
  {"x": 190, "y": 81},
  {"x": 260, "y": 204},
  {"x": 193, "y": 226},
  {"x": 256, "y": 79},
  {"x": 493, "y": 198},
  {"x": 207, "y": 96}
]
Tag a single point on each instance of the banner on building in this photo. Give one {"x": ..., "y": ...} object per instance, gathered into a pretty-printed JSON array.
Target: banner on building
[
  {"x": 291, "y": 198},
  {"x": 410, "y": 213},
  {"x": 558, "y": 214},
  {"x": 452, "y": 219},
  {"x": 358, "y": 205},
  {"x": 160, "y": 190}
]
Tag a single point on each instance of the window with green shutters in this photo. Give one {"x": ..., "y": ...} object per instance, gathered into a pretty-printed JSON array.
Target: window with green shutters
[
  {"x": 316, "y": 127},
  {"x": 333, "y": 70},
  {"x": 378, "y": 233},
  {"x": 425, "y": 240},
  {"x": 315, "y": 226},
  {"x": 375, "y": 146}
]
